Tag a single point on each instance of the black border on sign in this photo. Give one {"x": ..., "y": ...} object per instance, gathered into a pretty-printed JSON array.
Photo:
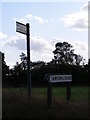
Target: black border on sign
[{"x": 20, "y": 23}]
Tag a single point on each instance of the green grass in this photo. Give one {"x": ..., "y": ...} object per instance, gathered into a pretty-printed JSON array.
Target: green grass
[{"x": 17, "y": 104}]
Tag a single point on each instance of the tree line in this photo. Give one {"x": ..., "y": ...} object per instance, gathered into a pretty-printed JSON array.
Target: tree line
[{"x": 65, "y": 61}]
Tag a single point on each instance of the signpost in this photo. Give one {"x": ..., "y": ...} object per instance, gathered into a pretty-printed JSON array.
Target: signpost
[
  {"x": 58, "y": 78},
  {"x": 24, "y": 29}
]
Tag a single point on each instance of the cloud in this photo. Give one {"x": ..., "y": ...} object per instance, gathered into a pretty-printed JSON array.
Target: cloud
[
  {"x": 40, "y": 20},
  {"x": 17, "y": 41},
  {"x": 30, "y": 17},
  {"x": 3, "y": 39},
  {"x": 41, "y": 49},
  {"x": 85, "y": 7},
  {"x": 77, "y": 20},
  {"x": 2, "y": 35},
  {"x": 81, "y": 48},
  {"x": 39, "y": 44},
  {"x": 19, "y": 44}
]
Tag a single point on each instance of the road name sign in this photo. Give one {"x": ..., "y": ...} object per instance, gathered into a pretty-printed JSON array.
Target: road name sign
[
  {"x": 56, "y": 78},
  {"x": 60, "y": 78},
  {"x": 21, "y": 28}
]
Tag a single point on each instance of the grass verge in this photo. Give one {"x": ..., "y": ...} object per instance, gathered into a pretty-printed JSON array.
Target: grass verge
[{"x": 16, "y": 104}]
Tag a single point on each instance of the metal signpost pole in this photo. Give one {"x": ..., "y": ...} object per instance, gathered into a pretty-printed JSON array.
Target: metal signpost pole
[{"x": 28, "y": 60}]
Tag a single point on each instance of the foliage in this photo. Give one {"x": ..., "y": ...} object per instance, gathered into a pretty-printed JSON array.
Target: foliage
[
  {"x": 5, "y": 71},
  {"x": 23, "y": 61},
  {"x": 64, "y": 62},
  {"x": 64, "y": 53}
]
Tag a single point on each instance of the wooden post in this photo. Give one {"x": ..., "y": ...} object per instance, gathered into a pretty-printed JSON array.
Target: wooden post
[
  {"x": 49, "y": 95},
  {"x": 68, "y": 91}
]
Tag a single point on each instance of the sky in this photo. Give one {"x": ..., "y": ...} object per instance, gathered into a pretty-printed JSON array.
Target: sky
[{"x": 50, "y": 22}]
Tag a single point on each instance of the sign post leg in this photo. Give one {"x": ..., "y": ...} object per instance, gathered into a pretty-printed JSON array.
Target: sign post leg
[
  {"x": 28, "y": 60},
  {"x": 49, "y": 95},
  {"x": 68, "y": 91}
]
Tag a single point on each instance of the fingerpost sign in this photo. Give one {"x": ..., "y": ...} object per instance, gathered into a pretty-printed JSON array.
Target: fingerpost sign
[
  {"x": 25, "y": 29},
  {"x": 21, "y": 28}
]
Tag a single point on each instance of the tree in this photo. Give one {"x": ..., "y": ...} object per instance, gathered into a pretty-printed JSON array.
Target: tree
[
  {"x": 5, "y": 72},
  {"x": 23, "y": 61},
  {"x": 78, "y": 59},
  {"x": 37, "y": 64},
  {"x": 5, "y": 68},
  {"x": 64, "y": 53},
  {"x": 17, "y": 68}
]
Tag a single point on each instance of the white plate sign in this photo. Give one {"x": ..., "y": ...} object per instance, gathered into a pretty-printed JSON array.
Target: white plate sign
[
  {"x": 60, "y": 78},
  {"x": 21, "y": 28}
]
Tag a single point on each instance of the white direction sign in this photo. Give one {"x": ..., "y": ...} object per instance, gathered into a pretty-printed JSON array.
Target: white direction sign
[
  {"x": 60, "y": 78},
  {"x": 21, "y": 28}
]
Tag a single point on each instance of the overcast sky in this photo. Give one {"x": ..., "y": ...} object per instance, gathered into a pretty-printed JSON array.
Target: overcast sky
[{"x": 50, "y": 22}]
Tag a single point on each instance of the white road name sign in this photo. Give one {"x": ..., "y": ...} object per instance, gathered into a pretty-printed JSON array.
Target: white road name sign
[
  {"x": 21, "y": 28},
  {"x": 60, "y": 78}
]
